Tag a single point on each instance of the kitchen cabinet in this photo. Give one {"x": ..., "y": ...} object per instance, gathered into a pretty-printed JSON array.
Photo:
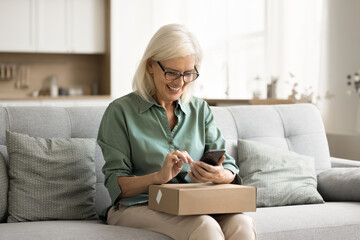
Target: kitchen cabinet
[
  {"x": 17, "y": 25},
  {"x": 51, "y": 26},
  {"x": 57, "y": 26},
  {"x": 88, "y": 26}
]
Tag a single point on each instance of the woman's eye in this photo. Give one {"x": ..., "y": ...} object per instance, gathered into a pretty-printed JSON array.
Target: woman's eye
[{"x": 173, "y": 74}]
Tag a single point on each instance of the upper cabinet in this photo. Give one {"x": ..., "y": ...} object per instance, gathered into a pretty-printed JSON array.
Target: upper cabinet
[
  {"x": 17, "y": 26},
  {"x": 88, "y": 25},
  {"x": 56, "y": 26},
  {"x": 51, "y": 29}
]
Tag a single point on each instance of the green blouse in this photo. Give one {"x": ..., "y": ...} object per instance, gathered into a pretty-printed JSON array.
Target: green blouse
[{"x": 135, "y": 138}]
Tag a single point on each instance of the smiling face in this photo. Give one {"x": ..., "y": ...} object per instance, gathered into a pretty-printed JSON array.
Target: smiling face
[{"x": 169, "y": 91}]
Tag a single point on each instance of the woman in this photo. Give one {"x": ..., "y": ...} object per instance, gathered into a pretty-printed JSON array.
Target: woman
[{"x": 157, "y": 134}]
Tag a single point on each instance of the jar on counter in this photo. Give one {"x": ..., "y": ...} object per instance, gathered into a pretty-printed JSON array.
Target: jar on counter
[
  {"x": 258, "y": 88},
  {"x": 54, "y": 89}
]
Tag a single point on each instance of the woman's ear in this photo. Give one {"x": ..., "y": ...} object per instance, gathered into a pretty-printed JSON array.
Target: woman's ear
[{"x": 149, "y": 66}]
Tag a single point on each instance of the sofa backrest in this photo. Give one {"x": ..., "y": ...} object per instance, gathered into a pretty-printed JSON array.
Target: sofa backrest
[
  {"x": 296, "y": 127},
  {"x": 58, "y": 122}
]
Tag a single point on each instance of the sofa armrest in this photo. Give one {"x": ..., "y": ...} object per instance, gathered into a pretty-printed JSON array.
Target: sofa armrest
[
  {"x": 340, "y": 184},
  {"x": 343, "y": 163}
]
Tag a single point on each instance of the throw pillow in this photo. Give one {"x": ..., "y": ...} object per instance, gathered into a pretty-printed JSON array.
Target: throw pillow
[
  {"x": 50, "y": 179},
  {"x": 281, "y": 177},
  {"x": 340, "y": 184},
  {"x": 4, "y": 181}
]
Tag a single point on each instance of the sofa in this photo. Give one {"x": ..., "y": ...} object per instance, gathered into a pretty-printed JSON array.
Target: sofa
[{"x": 295, "y": 127}]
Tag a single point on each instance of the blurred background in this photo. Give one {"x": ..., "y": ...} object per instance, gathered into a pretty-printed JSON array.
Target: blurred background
[{"x": 85, "y": 52}]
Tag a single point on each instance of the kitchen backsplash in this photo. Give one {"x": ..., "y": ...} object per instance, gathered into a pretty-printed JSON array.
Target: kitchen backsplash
[{"x": 27, "y": 74}]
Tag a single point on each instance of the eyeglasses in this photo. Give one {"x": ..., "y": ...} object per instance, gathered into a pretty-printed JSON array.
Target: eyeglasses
[{"x": 173, "y": 75}]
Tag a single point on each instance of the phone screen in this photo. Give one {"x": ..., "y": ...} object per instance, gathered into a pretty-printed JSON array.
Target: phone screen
[{"x": 212, "y": 157}]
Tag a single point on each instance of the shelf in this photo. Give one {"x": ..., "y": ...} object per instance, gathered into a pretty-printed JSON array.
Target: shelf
[
  {"x": 228, "y": 102},
  {"x": 85, "y": 97}
]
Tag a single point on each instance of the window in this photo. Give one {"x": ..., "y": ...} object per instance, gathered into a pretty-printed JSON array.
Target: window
[
  {"x": 232, "y": 35},
  {"x": 242, "y": 40}
]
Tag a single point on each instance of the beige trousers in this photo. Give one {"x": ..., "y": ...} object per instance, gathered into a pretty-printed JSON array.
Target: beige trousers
[{"x": 223, "y": 226}]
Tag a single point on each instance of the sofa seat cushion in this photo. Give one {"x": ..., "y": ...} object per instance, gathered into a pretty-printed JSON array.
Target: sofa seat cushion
[
  {"x": 72, "y": 230},
  {"x": 332, "y": 220}
]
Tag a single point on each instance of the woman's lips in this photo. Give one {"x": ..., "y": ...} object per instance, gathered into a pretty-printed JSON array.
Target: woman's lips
[{"x": 174, "y": 88}]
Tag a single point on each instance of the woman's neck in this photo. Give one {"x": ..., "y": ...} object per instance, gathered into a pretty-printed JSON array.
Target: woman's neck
[{"x": 170, "y": 105}]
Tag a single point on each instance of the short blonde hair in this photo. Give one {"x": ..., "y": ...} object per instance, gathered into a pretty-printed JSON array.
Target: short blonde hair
[{"x": 169, "y": 42}]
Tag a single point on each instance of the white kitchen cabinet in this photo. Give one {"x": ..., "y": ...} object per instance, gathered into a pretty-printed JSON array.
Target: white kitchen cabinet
[
  {"x": 17, "y": 25},
  {"x": 52, "y": 26},
  {"x": 88, "y": 26}
]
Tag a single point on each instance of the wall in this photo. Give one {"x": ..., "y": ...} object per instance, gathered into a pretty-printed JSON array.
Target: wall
[
  {"x": 342, "y": 57},
  {"x": 124, "y": 59},
  {"x": 344, "y": 146}
]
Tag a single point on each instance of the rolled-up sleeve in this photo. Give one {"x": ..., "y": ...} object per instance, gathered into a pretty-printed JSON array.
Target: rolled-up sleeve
[{"x": 113, "y": 141}]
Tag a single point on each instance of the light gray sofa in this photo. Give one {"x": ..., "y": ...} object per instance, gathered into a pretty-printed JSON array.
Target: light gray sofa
[{"x": 296, "y": 127}]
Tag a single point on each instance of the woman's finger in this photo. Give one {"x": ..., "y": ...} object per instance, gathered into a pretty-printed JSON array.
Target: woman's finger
[
  {"x": 199, "y": 174},
  {"x": 188, "y": 158},
  {"x": 184, "y": 156},
  {"x": 221, "y": 161},
  {"x": 205, "y": 173},
  {"x": 178, "y": 162},
  {"x": 192, "y": 177}
]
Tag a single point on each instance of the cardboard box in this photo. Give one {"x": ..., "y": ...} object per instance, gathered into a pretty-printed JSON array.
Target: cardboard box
[{"x": 202, "y": 198}]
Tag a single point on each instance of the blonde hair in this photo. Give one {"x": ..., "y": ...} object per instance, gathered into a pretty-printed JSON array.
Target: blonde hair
[{"x": 169, "y": 42}]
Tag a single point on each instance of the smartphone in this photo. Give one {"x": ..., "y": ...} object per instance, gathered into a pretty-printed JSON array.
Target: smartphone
[{"x": 212, "y": 157}]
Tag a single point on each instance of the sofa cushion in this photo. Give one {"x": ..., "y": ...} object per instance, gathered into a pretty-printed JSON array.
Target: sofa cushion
[
  {"x": 224, "y": 122},
  {"x": 4, "y": 181},
  {"x": 74, "y": 230},
  {"x": 50, "y": 178},
  {"x": 85, "y": 123},
  {"x": 340, "y": 184},
  {"x": 282, "y": 177},
  {"x": 295, "y": 127},
  {"x": 332, "y": 220}
]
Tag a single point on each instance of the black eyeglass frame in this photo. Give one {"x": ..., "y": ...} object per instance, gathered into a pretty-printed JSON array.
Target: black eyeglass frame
[{"x": 179, "y": 74}]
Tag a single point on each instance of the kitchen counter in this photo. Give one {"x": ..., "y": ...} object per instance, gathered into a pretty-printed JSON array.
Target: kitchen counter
[
  {"x": 83, "y": 97},
  {"x": 96, "y": 100}
]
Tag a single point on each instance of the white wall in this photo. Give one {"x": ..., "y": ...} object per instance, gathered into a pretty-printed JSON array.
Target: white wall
[
  {"x": 342, "y": 57},
  {"x": 124, "y": 59},
  {"x": 227, "y": 38}
]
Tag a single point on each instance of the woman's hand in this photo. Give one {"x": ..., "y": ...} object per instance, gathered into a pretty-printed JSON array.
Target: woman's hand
[
  {"x": 131, "y": 186},
  {"x": 203, "y": 172},
  {"x": 173, "y": 164}
]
